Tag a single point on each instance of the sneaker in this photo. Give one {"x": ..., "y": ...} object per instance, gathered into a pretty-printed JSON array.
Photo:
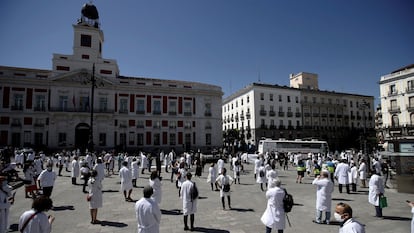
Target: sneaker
[{"x": 315, "y": 221}]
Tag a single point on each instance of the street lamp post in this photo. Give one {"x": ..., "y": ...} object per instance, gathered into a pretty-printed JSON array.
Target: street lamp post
[{"x": 93, "y": 83}]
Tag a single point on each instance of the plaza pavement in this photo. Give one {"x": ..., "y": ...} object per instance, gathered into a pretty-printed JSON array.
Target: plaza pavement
[{"x": 248, "y": 202}]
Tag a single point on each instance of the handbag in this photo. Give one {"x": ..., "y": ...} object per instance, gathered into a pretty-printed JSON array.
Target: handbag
[
  {"x": 88, "y": 197},
  {"x": 383, "y": 201}
]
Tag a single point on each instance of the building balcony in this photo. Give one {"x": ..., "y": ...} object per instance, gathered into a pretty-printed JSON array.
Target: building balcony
[
  {"x": 306, "y": 114},
  {"x": 140, "y": 126},
  {"x": 297, "y": 114},
  {"x": 281, "y": 114},
  {"x": 315, "y": 114},
  {"x": 236, "y": 118},
  {"x": 289, "y": 114},
  {"x": 188, "y": 114},
  {"x": 172, "y": 113},
  {"x": 324, "y": 115},
  {"x": 208, "y": 127},
  {"x": 263, "y": 126},
  {"x": 410, "y": 90},
  {"x": 410, "y": 108},
  {"x": 39, "y": 109},
  {"x": 16, "y": 124},
  {"x": 122, "y": 125},
  {"x": 248, "y": 116},
  {"x": 272, "y": 113},
  {"x": 140, "y": 112},
  {"x": 156, "y": 112},
  {"x": 272, "y": 127},
  {"x": 207, "y": 114},
  {"x": 392, "y": 93},
  {"x": 123, "y": 111},
  {"x": 85, "y": 110},
  {"x": 282, "y": 127},
  {"x": 262, "y": 112},
  {"x": 16, "y": 108},
  {"x": 39, "y": 125},
  {"x": 332, "y": 115},
  {"x": 242, "y": 118},
  {"x": 394, "y": 110}
]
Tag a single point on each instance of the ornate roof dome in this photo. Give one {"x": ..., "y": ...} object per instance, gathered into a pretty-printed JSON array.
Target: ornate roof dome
[{"x": 90, "y": 15}]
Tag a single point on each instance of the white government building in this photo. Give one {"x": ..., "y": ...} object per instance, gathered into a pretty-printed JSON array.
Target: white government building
[{"x": 52, "y": 108}]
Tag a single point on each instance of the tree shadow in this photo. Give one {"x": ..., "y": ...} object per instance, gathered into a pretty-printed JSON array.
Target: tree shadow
[
  {"x": 396, "y": 218},
  {"x": 209, "y": 230},
  {"x": 171, "y": 212},
  {"x": 63, "y": 207},
  {"x": 113, "y": 224},
  {"x": 242, "y": 210}
]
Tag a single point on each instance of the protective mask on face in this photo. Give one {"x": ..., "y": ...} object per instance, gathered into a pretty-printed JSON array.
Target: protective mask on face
[
  {"x": 49, "y": 169},
  {"x": 338, "y": 217}
]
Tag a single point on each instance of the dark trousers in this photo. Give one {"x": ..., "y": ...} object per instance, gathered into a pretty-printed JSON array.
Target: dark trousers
[
  {"x": 268, "y": 230},
  {"x": 340, "y": 188},
  {"x": 378, "y": 211},
  {"x": 47, "y": 191}
]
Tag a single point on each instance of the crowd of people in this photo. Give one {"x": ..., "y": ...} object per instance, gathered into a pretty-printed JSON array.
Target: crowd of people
[{"x": 92, "y": 168}]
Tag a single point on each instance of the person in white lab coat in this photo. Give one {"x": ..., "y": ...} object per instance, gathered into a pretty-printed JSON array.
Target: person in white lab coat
[
  {"x": 189, "y": 204},
  {"x": 324, "y": 191},
  {"x": 126, "y": 181},
  {"x": 343, "y": 214},
  {"x": 341, "y": 174},
  {"x": 134, "y": 171},
  {"x": 148, "y": 213},
  {"x": 363, "y": 173},
  {"x": 353, "y": 176},
  {"x": 274, "y": 215},
  {"x": 211, "y": 178},
  {"x": 75, "y": 169},
  {"x": 36, "y": 220},
  {"x": 155, "y": 184},
  {"x": 376, "y": 190},
  {"x": 411, "y": 204}
]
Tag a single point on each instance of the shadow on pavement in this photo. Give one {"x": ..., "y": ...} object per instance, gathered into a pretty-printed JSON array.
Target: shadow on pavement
[
  {"x": 113, "y": 224},
  {"x": 171, "y": 212},
  {"x": 209, "y": 230},
  {"x": 242, "y": 210},
  {"x": 110, "y": 191},
  {"x": 341, "y": 199},
  {"x": 396, "y": 218},
  {"x": 63, "y": 207}
]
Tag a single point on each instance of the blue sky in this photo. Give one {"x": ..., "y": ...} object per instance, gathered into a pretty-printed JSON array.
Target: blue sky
[{"x": 229, "y": 43}]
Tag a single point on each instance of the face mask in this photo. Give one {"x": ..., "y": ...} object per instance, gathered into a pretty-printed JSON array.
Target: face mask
[
  {"x": 338, "y": 217},
  {"x": 49, "y": 169}
]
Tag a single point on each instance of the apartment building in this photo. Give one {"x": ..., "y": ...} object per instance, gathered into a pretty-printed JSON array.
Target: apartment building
[{"x": 300, "y": 111}]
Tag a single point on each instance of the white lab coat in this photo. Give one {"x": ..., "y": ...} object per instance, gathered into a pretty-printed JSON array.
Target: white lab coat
[
  {"x": 212, "y": 174},
  {"x": 353, "y": 175},
  {"x": 135, "y": 170},
  {"x": 100, "y": 168},
  {"x": 362, "y": 171},
  {"x": 156, "y": 187},
  {"x": 270, "y": 175},
  {"x": 95, "y": 191},
  {"x": 376, "y": 186},
  {"x": 351, "y": 226},
  {"x": 4, "y": 207},
  {"x": 259, "y": 179},
  {"x": 412, "y": 220},
  {"x": 189, "y": 206},
  {"x": 324, "y": 191},
  {"x": 274, "y": 215},
  {"x": 75, "y": 169},
  {"x": 220, "y": 165},
  {"x": 341, "y": 172},
  {"x": 148, "y": 215},
  {"x": 126, "y": 179}
]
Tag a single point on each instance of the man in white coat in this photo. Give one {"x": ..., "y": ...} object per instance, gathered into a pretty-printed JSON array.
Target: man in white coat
[
  {"x": 323, "y": 197},
  {"x": 343, "y": 214},
  {"x": 341, "y": 174},
  {"x": 126, "y": 181},
  {"x": 376, "y": 190},
  {"x": 148, "y": 213},
  {"x": 220, "y": 165},
  {"x": 274, "y": 215},
  {"x": 189, "y": 205}
]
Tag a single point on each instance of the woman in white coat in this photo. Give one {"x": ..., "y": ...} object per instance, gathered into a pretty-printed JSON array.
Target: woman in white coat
[
  {"x": 94, "y": 196},
  {"x": 376, "y": 190},
  {"x": 363, "y": 173},
  {"x": 274, "y": 215},
  {"x": 261, "y": 178},
  {"x": 155, "y": 184}
]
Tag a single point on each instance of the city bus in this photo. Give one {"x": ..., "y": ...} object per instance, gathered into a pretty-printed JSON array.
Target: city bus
[{"x": 293, "y": 146}]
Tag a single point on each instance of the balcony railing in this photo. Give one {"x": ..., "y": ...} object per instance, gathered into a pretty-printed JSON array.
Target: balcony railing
[
  {"x": 156, "y": 112},
  {"x": 290, "y": 114},
  {"x": 96, "y": 110},
  {"x": 281, "y": 114},
  {"x": 410, "y": 108},
  {"x": 16, "y": 108},
  {"x": 39, "y": 109},
  {"x": 272, "y": 113},
  {"x": 248, "y": 116},
  {"x": 263, "y": 113},
  {"x": 140, "y": 112},
  {"x": 172, "y": 113},
  {"x": 188, "y": 114},
  {"x": 207, "y": 114},
  {"x": 394, "y": 110},
  {"x": 297, "y": 114}
]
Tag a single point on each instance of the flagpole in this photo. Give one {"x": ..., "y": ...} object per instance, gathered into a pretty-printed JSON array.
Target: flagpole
[{"x": 93, "y": 82}]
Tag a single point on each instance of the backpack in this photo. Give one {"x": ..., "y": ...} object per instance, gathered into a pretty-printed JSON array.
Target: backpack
[
  {"x": 288, "y": 202},
  {"x": 194, "y": 191}
]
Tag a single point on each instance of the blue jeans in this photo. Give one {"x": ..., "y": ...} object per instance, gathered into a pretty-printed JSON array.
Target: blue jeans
[{"x": 319, "y": 216}]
